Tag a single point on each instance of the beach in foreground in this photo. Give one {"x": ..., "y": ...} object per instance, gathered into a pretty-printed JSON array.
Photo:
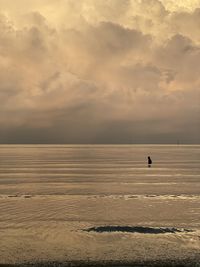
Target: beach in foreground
[{"x": 95, "y": 205}]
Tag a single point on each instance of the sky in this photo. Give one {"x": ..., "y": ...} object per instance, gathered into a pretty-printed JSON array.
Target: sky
[{"x": 100, "y": 71}]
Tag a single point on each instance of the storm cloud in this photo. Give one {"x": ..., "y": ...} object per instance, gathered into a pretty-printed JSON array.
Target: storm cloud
[{"x": 99, "y": 71}]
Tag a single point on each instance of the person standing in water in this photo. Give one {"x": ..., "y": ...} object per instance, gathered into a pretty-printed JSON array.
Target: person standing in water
[{"x": 149, "y": 162}]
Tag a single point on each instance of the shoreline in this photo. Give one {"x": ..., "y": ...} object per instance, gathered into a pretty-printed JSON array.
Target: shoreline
[{"x": 156, "y": 263}]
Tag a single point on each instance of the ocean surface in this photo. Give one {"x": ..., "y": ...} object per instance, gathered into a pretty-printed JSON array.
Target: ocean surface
[{"x": 99, "y": 203}]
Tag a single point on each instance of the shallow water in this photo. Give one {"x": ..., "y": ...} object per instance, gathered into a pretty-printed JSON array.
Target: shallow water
[{"x": 51, "y": 196}]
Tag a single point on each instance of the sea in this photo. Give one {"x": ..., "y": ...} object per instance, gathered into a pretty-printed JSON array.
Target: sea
[{"x": 99, "y": 205}]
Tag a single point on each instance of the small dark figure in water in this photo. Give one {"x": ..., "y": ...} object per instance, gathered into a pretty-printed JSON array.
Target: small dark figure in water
[{"x": 149, "y": 162}]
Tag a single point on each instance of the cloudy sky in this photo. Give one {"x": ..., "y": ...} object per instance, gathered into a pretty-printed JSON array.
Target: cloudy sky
[{"x": 99, "y": 71}]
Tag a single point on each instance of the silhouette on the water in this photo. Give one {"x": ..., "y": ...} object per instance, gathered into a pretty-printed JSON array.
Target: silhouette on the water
[
  {"x": 149, "y": 162},
  {"x": 136, "y": 229}
]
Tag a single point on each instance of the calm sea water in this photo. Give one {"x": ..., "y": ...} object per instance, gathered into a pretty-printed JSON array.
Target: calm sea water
[{"x": 51, "y": 195}]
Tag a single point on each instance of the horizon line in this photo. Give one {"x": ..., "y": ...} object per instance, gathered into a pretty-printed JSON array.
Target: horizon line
[{"x": 180, "y": 144}]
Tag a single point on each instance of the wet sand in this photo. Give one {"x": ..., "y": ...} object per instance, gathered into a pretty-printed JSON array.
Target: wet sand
[{"x": 169, "y": 263}]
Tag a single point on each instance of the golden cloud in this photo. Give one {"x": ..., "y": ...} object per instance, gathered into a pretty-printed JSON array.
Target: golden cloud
[{"x": 88, "y": 66}]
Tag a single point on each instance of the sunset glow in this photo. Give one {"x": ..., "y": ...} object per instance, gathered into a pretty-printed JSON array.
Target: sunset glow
[{"x": 99, "y": 71}]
